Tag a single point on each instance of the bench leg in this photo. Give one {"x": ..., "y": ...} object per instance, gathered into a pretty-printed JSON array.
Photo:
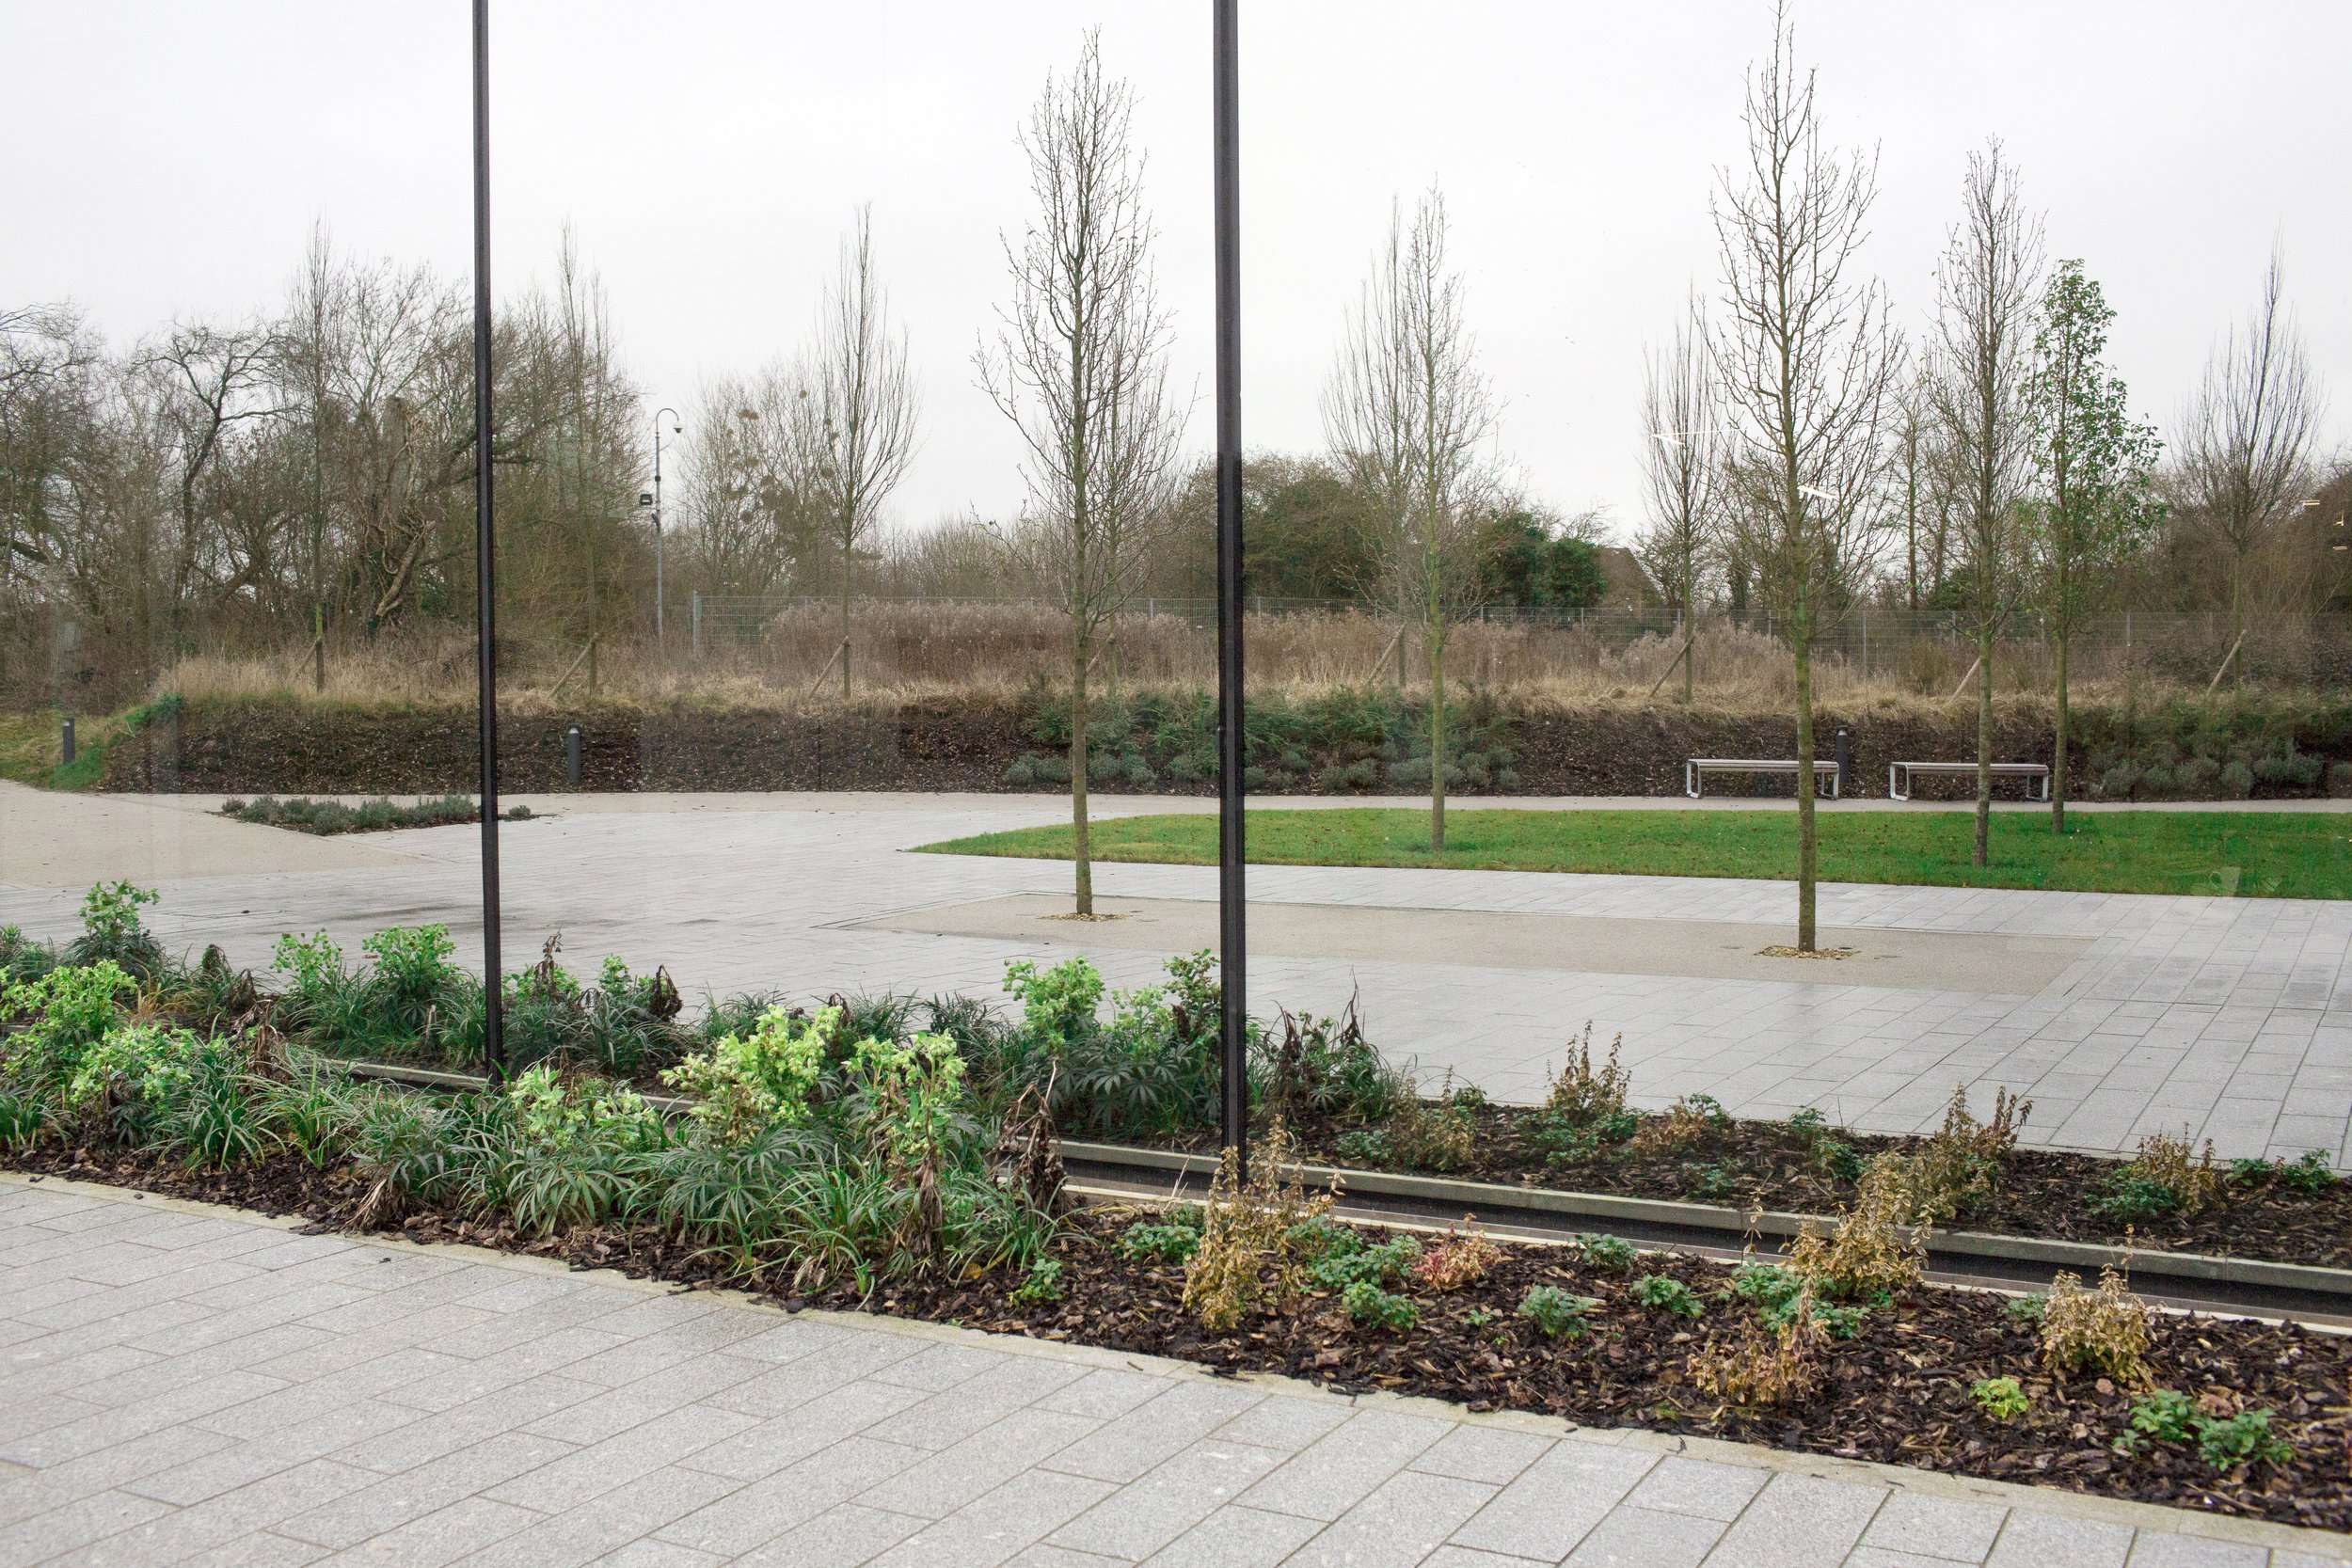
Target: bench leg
[
  {"x": 1690, "y": 781},
  {"x": 1892, "y": 793}
]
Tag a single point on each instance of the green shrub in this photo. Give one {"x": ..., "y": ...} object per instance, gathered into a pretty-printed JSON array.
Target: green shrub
[
  {"x": 746, "y": 1083},
  {"x": 111, "y": 932},
  {"x": 2001, "y": 1397},
  {"x": 65, "y": 1013},
  {"x": 1369, "y": 1306},
  {"x": 1663, "y": 1294},
  {"x": 1555, "y": 1312}
]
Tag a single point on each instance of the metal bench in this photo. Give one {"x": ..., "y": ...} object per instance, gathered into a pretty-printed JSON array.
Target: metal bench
[
  {"x": 1695, "y": 769},
  {"x": 1899, "y": 775}
]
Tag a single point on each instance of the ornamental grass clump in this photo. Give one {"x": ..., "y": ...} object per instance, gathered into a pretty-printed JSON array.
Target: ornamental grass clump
[
  {"x": 1246, "y": 1260},
  {"x": 2102, "y": 1333}
]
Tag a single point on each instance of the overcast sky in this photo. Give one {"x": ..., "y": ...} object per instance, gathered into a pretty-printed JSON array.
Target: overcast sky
[{"x": 169, "y": 158}]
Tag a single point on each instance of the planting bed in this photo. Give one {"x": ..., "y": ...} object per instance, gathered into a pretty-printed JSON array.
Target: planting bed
[
  {"x": 2259, "y": 1212},
  {"x": 1902, "y": 1390}
]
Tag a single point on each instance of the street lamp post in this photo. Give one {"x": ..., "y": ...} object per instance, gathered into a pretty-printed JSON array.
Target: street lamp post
[
  {"x": 1232, "y": 901},
  {"x": 660, "y": 633}
]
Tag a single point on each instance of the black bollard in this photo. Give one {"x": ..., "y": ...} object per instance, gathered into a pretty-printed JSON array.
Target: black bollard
[
  {"x": 1845, "y": 759},
  {"x": 65, "y": 743},
  {"x": 571, "y": 755}
]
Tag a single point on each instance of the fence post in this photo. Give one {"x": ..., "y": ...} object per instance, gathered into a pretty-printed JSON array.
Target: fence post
[{"x": 698, "y": 622}]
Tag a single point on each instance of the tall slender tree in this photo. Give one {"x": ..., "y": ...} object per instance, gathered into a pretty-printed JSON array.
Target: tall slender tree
[
  {"x": 1806, "y": 357},
  {"x": 2093, "y": 507},
  {"x": 1080, "y": 368},
  {"x": 1985, "y": 292},
  {"x": 1682, "y": 461},
  {"x": 2248, "y": 436},
  {"x": 867, "y": 406},
  {"x": 1408, "y": 413}
]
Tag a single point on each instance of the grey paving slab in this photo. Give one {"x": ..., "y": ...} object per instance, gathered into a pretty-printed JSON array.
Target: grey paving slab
[{"x": 1058, "y": 1458}]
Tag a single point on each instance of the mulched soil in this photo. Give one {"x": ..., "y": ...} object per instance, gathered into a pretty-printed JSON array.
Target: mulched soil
[
  {"x": 1752, "y": 1163},
  {"x": 1898, "y": 1393}
]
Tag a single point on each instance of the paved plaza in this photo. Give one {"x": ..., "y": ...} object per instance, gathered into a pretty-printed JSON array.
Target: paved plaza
[
  {"x": 191, "y": 1386},
  {"x": 2120, "y": 1015}
]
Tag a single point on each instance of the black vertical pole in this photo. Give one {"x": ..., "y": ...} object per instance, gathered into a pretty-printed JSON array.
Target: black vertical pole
[
  {"x": 485, "y": 576},
  {"x": 1233, "y": 950}
]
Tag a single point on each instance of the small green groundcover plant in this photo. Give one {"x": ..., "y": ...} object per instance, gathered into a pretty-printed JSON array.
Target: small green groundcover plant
[
  {"x": 1662, "y": 1293},
  {"x": 2001, "y": 1397},
  {"x": 1556, "y": 1313},
  {"x": 2223, "y": 1442}
]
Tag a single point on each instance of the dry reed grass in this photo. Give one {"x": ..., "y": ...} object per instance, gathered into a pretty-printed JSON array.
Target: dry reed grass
[{"x": 981, "y": 653}]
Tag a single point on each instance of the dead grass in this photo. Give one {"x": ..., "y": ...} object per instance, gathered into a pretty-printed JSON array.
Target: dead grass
[{"x": 989, "y": 653}]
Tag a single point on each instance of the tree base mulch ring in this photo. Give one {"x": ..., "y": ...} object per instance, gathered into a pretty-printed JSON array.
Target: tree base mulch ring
[
  {"x": 1745, "y": 1164},
  {"x": 1899, "y": 1392}
]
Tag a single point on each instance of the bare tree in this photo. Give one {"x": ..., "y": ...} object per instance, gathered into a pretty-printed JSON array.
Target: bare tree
[
  {"x": 1408, "y": 413},
  {"x": 1986, "y": 288},
  {"x": 756, "y": 514},
  {"x": 1080, "y": 368},
  {"x": 1682, "y": 463},
  {"x": 212, "y": 379},
  {"x": 867, "y": 406},
  {"x": 1806, "y": 357},
  {"x": 2247, "y": 437},
  {"x": 1919, "y": 483}
]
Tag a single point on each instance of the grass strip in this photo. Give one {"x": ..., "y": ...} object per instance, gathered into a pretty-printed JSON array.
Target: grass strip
[{"x": 2224, "y": 854}]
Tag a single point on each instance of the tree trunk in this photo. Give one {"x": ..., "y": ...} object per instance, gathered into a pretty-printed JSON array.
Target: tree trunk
[
  {"x": 1079, "y": 850},
  {"x": 1437, "y": 737},
  {"x": 2057, "y": 751},
  {"x": 845, "y": 626},
  {"x": 1984, "y": 743},
  {"x": 1808, "y": 840}
]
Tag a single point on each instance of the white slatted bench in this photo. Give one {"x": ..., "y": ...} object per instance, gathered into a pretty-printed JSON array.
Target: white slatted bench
[
  {"x": 1695, "y": 769},
  {"x": 1899, "y": 775}
]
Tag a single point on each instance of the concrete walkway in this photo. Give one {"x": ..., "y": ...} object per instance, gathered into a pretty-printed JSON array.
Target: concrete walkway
[
  {"x": 194, "y": 1385},
  {"x": 2231, "y": 1016}
]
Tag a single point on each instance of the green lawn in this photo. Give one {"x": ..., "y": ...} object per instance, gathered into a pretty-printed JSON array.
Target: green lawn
[{"x": 2271, "y": 854}]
